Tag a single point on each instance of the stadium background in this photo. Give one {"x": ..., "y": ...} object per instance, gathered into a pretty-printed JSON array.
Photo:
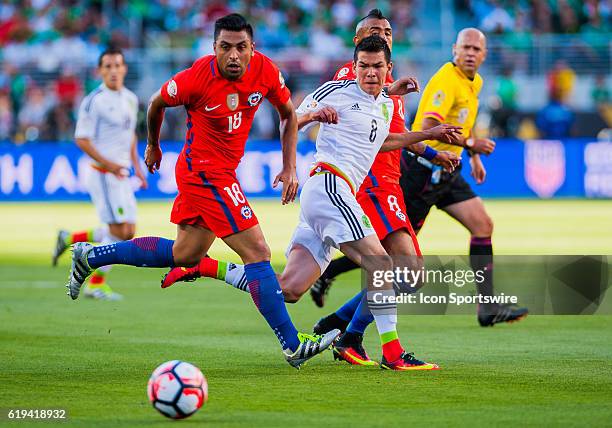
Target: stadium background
[{"x": 548, "y": 59}]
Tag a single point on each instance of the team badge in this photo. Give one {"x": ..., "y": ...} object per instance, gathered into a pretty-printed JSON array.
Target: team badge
[
  {"x": 312, "y": 105},
  {"x": 400, "y": 215},
  {"x": 366, "y": 221},
  {"x": 463, "y": 115},
  {"x": 246, "y": 212},
  {"x": 385, "y": 112},
  {"x": 254, "y": 98},
  {"x": 344, "y": 71},
  {"x": 232, "y": 101},
  {"x": 172, "y": 89},
  {"x": 281, "y": 79},
  {"x": 438, "y": 98}
]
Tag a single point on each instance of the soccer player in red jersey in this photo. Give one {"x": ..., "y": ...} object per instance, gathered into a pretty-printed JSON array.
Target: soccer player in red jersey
[{"x": 221, "y": 94}]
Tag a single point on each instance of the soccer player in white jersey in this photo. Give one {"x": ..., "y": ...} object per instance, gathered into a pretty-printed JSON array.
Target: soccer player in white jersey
[
  {"x": 355, "y": 117},
  {"x": 105, "y": 131}
]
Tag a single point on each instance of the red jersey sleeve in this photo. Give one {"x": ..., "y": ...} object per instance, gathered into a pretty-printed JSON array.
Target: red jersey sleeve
[
  {"x": 278, "y": 93},
  {"x": 181, "y": 89},
  {"x": 345, "y": 72},
  {"x": 398, "y": 121}
]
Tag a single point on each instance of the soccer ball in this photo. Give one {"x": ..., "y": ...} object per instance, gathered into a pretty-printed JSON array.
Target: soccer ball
[{"x": 177, "y": 389}]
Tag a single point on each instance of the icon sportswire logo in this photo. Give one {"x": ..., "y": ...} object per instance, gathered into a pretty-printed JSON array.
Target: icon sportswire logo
[{"x": 211, "y": 108}]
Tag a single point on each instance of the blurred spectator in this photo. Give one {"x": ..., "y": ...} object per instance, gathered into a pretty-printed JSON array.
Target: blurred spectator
[
  {"x": 555, "y": 120},
  {"x": 324, "y": 43},
  {"x": 504, "y": 112},
  {"x": 17, "y": 83},
  {"x": 6, "y": 117},
  {"x": 600, "y": 93},
  {"x": 33, "y": 115},
  {"x": 60, "y": 122},
  {"x": 561, "y": 81},
  {"x": 498, "y": 20},
  {"x": 67, "y": 87}
]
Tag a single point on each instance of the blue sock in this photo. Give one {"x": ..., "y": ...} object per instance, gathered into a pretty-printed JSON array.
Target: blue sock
[
  {"x": 268, "y": 297},
  {"x": 142, "y": 252},
  {"x": 347, "y": 310},
  {"x": 361, "y": 319}
]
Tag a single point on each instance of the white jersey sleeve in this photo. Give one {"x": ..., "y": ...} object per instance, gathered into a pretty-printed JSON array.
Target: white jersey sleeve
[
  {"x": 324, "y": 96},
  {"x": 86, "y": 119}
]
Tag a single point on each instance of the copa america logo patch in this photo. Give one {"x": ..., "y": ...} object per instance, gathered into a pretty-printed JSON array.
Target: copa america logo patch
[
  {"x": 312, "y": 105},
  {"x": 254, "y": 98},
  {"x": 343, "y": 72},
  {"x": 172, "y": 89},
  {"x": 400, "y": 215},
  {"x": 246, "y": 212}
]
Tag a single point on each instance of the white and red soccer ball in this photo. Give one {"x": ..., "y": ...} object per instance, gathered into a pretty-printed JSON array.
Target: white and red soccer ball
[{"x": 177, "y": 389}]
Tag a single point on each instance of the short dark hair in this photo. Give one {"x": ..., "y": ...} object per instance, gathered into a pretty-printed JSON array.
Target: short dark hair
[
  {"x": 372, "y": 14},
  {"x": 233, "y": 22},
  {"x": 110, "y": 51},
  {"x": 373, "y": 44}
]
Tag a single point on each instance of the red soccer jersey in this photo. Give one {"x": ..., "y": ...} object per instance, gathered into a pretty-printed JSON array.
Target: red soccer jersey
[
  {"x": 219, "y": 111},
  {"x": 386, "y": 166}
]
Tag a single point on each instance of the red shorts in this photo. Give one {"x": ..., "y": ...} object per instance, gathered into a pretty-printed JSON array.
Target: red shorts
[
  {"x": 384, "y": 205},
  {"x": 213, "y": 200}
]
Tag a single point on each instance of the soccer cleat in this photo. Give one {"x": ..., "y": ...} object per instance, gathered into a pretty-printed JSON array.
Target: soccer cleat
[
  {"x": 79, "y": 270},
  {"x": 103, "y": 292},
  {"x": 350, "y": 349},
  {"x": 310, "y": 345},
  {"x": 60, "y": 246},
  {"x": 330, "y": 323},
  {"x": 177, "y": 274},
  {"x": 407, "y": 362},
  {"x": 319, "y": 290},
  {"x": 489, "y": 316}
]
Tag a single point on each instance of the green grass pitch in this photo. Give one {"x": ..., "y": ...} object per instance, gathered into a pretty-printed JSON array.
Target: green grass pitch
[{"x": 94, "y": 358}]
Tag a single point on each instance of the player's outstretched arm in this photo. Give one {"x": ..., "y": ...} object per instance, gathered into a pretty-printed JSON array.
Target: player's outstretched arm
[
  {"x": 288, "y": 138},
  {"x": 447, "y": 160},
  {"x": 324, "y": 115},
  {"x": 155, "y": 117},
  {"x": 403, "y": 86},
  {"x": 441, "y": 132}
]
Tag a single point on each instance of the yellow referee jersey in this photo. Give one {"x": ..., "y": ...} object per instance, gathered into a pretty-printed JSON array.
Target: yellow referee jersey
[{"x": 449, "y": 97}]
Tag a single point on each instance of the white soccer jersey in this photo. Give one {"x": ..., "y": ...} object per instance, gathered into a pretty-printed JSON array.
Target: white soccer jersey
[
  {"x": 363, "y": 125},
  {"x": 108, "y": 119}
]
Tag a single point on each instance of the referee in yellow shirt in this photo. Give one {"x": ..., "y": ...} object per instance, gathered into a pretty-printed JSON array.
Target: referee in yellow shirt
[{"x": 451, "y": 96}]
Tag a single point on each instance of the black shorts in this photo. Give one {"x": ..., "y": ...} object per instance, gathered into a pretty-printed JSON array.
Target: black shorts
[{"x": 420, "y": 194}]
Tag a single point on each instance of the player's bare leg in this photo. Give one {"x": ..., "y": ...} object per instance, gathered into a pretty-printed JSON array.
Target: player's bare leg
[
  {"x": 398, "y": 244},
  {"x": 267, "y": 295},
  {"x": 473, "y": 216},
  {"x": 385, "y": 315},
  {"x": 191, "y": 242},
  {"x": 301, "y": 270}
]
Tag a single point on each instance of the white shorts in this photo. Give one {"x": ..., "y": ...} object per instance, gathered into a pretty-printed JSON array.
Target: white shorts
[
  {"x": 113, "y": 197},
  {"x": 329, "y": 216}
]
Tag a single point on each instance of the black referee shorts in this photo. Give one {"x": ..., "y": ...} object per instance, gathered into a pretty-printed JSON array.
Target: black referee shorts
[{"x": 420, "y": 194}]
